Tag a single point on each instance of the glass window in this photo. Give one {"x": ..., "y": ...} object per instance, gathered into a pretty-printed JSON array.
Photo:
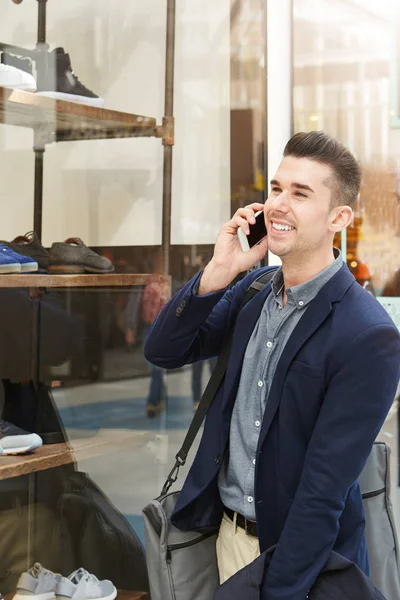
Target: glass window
[{"x": 130, "y": 131}]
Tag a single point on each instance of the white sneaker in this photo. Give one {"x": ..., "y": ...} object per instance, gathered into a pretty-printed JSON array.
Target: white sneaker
[
  {"x": 37, "y": 584},
  {"x": 11, "y": 77},
  {"x": 84, "y": 586}
]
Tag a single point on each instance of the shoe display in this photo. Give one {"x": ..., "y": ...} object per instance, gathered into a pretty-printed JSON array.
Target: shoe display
[
  {"x": 81, "y": 584},
  {"x": 72, "y": 256},
  {"x": 16, "y": 77},
  {"x": 14, "y": 440},
  {"x": 61, "y": 82},
  {"x": 38, "y": 584},
  {"x": 30, "y": 245},
  {"x": 8, "y": 264},
  {"x": 26, "y": 263}
]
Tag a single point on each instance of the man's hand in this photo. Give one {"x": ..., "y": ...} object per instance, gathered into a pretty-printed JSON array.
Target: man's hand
[{"x": 229, "y": 259}]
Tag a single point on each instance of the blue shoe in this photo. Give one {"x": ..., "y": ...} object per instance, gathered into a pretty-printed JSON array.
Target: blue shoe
[
  {"x": 26, "y": 263},
  {"x": 8, "y": 264}
]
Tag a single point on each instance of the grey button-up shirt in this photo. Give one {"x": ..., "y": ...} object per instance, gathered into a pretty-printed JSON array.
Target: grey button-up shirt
[{"x": 264, "y": 349}]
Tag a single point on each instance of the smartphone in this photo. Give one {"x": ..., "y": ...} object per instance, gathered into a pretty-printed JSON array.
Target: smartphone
[{"x": 258, "y": 232}]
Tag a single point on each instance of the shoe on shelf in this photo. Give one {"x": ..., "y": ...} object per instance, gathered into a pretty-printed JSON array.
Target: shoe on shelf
[
  {"x": 60, "y": 82},
  {"x": 84, "y": 586},
  {"x": 8, "y": 264},
  {"x": 26, "y": 263},
  {"x": 14, "y": 440},
  {"x": 72, "y": 256},
  {"x": 16, "y": 73},
  {"x": 30, "y": 245},
  {"x": 37, "y": 584}
]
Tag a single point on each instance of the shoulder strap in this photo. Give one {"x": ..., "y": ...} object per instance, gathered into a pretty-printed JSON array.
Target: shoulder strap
[{"x": 213, "y": 385}]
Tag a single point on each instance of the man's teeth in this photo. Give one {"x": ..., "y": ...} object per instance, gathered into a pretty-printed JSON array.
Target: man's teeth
[{"x": 282, "y": 227}]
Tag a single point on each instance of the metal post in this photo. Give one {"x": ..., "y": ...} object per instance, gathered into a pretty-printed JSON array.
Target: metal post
[
  {"x": 264, "y": 262},
  {"x": 38, "y": 197},
  {"x": 41, "y": 45},
  {"x": 41, "y": 34},
  {"x": 168, "y": 112}
]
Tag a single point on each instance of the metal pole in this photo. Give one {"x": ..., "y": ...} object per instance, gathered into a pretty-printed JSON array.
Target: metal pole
[
  {"x": 41, "y": 34},
  {"x": 168, "y": 112},
  {"x": 264, "y": 262},
  {"x": 38, "y": 197},
  {"x": 41, "y": 45},
  {"x": 41, "y": 65}
]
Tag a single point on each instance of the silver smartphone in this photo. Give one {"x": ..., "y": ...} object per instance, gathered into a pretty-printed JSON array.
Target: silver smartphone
[{"x": 258, "y": 232}]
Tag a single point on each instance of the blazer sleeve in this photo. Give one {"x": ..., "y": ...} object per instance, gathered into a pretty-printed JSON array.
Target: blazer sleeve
[
  {"x": 356, "y": 403},
  {"x": 192, "y": 327}
]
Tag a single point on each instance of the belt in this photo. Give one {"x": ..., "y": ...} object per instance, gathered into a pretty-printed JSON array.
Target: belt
[{"x": 250, "y": 527}]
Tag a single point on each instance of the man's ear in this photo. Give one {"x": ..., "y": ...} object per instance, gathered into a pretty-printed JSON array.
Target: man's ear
[{"x": 340, "y": 218}]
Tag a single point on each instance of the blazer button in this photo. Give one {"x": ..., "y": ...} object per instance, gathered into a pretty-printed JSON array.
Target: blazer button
[
  {"x": 217, "y": 460},
  {"x": 181, "y": 308}
]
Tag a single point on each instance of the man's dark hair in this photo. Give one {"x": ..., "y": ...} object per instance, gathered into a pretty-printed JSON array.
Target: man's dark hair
[{"x": 345, "y": 181}]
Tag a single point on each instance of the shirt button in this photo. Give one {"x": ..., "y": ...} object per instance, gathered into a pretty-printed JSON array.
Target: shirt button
[
  {"x": 301, "y": 303},
  {"x": 257, "y": 423},
  {"x": 269, "y": 344},
  {"x": 250, "y": 499},
  {"x": 260, "y": 383},
  {"x": 280, "y": 306},
  {"x": 254, "y": 461}
]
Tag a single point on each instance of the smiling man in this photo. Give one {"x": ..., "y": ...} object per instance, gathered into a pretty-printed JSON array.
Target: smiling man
[{"x": 313, "y": 371}]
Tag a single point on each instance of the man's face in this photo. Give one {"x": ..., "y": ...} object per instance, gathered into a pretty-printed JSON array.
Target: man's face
[{"x": 299, "y": 198}]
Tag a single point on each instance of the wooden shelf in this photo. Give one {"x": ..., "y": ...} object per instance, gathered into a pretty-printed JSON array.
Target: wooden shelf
[
  {"x": 58, "y": 120},
  {"x": 126, "y": 595},
  {"x": 55, "y": 455},
  {"x": 73, "y": 281}
]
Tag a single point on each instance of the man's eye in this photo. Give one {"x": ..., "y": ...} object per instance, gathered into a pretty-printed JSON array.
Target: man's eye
[
  {"x": 300, "y": 194},
  {"x": 276, "y": 189}
]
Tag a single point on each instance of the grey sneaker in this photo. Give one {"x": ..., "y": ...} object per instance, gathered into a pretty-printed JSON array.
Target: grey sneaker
[
  {"x": 14, "y": 440},
  {"x": 84, "y": 586},
  {"x": 72, "y": 256},
  {"x": 37, "y": 584}
]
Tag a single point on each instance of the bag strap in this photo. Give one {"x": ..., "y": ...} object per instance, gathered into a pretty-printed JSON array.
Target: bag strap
[{"x": 213, "y": 385}]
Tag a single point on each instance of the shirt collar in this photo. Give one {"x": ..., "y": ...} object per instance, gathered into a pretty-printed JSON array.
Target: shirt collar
[{"x": 301, "y": 295}]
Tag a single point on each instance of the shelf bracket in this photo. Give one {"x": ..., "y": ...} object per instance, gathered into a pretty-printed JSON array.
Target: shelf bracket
[{"x": 166, "y": 131}]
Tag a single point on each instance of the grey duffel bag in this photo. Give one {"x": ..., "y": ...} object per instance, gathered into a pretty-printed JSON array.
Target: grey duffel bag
[
  {"x": 181, "y": 565},
  {"x": 382, "y": 543}
]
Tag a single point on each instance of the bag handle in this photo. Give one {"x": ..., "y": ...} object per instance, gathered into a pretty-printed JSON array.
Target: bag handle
[{"x": 212, "y": 387}]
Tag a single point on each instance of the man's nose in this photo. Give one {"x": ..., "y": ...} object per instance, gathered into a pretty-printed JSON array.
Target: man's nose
[{"x": 279, "y": 202}]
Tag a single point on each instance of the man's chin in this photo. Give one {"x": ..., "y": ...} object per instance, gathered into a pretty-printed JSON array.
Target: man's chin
[{"x": 279, "y": 250}]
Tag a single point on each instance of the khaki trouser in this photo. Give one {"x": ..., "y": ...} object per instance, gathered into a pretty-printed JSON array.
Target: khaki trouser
[{"x": 235, "y": 549}]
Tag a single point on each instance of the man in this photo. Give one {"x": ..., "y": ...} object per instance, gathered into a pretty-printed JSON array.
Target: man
[{"x": 313, "y": 370}]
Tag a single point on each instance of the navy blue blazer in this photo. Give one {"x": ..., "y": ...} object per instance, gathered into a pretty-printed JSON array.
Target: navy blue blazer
[
  {"x": 340, "y": 579},
  {"x": 333, "y": 387}
]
